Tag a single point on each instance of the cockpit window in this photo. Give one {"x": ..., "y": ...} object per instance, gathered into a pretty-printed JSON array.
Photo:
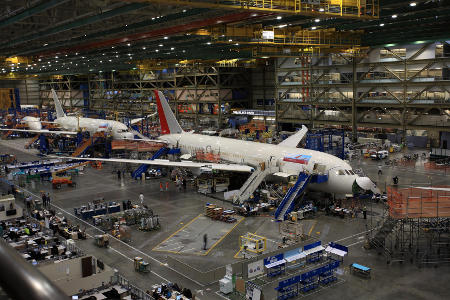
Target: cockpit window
[
  {"x": 348, "y": 173},
  {"x": 351, "y": 172}
]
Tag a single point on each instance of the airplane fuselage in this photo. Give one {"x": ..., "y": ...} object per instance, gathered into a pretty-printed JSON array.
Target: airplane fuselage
[
  {"x": 118, "y": 130},
  {"x": 289, "y": 160}
]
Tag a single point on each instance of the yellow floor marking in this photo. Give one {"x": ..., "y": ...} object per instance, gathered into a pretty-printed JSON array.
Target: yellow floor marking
[
  {"x": 188, "y": 223},
  {"x": 216, "y": 243},
  {"x": 312, "y": 227}
]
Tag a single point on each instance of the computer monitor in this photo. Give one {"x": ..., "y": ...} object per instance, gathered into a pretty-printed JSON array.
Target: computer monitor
[{"x": 74, "y": 297}]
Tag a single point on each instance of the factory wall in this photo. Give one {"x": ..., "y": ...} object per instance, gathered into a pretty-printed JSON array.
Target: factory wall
[
  {"x": 263, "y": 87},
  {"x": 28, "y": 90},
  {"x": 67, "y": 275}
]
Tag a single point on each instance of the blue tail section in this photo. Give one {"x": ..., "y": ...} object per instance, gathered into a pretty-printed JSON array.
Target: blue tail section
[
  {"x": 144, "y": 167},
  {"x": 287, "y": 204}
]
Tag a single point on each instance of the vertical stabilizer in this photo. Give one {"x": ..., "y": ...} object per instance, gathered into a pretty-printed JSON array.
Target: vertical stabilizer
[
  {"x": 169, "y": 124},
  {"x": 59, "y": 110}
]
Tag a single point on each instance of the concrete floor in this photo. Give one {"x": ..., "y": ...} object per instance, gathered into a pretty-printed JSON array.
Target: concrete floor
[{"x": 177, "y": 209}]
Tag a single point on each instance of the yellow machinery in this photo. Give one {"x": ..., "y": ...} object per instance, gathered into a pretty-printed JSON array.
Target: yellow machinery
[
  {"x": 140, "y": 265},
  {"x": 102, "y": 240},
  {"x": 252, "y": 243}
]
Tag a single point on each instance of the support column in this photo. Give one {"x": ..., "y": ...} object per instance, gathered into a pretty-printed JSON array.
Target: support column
[{"x": 354, "y": 98}]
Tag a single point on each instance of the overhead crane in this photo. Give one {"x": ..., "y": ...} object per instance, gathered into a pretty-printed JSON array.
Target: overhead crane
[{"x": 362, "y": 9}]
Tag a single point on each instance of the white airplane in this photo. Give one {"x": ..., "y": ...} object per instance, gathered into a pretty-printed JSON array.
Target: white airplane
[
  {"x": 71, "y": 124},
  {"x": 245, "y": 156}
]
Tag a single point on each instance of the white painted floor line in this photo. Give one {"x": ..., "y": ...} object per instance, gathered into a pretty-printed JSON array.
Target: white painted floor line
[
  {"x": 355, "y": 243},
  {"x": 218, "y": 294},
  {"x": 353, "y": 235}
]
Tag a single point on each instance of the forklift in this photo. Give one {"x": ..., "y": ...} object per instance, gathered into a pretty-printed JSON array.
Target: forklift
[{"x": 58, "y": 181}]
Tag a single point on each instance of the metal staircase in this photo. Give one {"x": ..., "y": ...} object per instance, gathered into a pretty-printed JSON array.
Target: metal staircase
[
  {"x": 144, "y": 167},
  {"x": 287, "y": 204},
  {"x": 252, "y": 184},
  {"x": 83, "y": 147}
]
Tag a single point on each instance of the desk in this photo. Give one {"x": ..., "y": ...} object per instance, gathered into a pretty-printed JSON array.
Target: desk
[
  {"x": 276, "y": 268},
  {"x": 314, "y": 254},
  {"x": 336, "y": 251},
  {"x": 360, "y": 269},
  {"x": 298, "y": 256},
  {"x": 121, "y": 291}
]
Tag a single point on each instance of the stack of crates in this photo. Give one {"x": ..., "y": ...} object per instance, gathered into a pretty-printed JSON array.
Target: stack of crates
[{"x": 209, "y": 210}]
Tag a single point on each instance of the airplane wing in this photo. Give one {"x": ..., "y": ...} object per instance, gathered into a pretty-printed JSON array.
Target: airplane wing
[
  {"x": 146, "y": 140},
  {"x": 134, "y": 121},
  {"x": 40, "y": 131},
  {"x": 143, "y": 138},
  {"x": 182, "y": 164},
  {"x": 432, "y": 188},
  {"x": 294, "y": 139}
]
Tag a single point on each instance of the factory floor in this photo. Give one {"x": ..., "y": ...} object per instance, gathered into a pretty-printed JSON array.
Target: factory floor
[{"x": 183, "y": 227}]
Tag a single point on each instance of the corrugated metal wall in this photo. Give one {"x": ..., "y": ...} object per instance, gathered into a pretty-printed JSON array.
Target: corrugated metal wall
[{"x": 28, "y": 90}]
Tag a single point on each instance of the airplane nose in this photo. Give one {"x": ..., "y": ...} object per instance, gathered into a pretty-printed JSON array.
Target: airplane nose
[{"x": 366, "y": 184}]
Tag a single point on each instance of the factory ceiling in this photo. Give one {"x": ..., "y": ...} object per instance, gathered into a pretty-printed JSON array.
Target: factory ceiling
[{"x": 79, "y": 36}]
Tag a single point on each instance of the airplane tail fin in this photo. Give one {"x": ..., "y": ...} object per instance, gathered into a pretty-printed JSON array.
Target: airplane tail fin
[
  {"x": 59, "y": 110},
  {"x": 169, "y": 124}
]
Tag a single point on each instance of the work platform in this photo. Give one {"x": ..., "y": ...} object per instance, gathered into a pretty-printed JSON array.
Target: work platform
[{"x": 189, "y": 238}]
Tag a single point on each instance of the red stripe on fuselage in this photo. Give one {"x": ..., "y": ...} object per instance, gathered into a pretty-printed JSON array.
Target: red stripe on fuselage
[{"x": 162, "y": 117}]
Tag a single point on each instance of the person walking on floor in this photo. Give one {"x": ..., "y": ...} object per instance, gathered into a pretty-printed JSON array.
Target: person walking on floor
[
  {"x": 395, "y": 179},
  {"x": 118, "y": 174},
  {"x": 44, "y": 199},
  {"x": 48, "y": 200},
  {"x": 167, "y": 186},
  {"x": 184, "y": 184},
  {"x": 379, "y": 170},
  {"x": 141, "y": 199},
  {"x": 205, "y": 241},
  {"x": 364, "y": 212}
]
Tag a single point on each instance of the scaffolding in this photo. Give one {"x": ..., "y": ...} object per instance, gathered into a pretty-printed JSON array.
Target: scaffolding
[
  {"x": 417, "y": 227},
  {"x": 363, "y": 9},
  {"x": 201, "y": 94}
]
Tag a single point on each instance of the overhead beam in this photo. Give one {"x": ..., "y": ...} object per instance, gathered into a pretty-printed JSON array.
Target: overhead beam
[
  {"x": 75, "y": 24},
  {"x": 30, "y": 12}
]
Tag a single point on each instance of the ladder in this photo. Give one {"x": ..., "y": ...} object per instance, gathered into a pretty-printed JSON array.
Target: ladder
[{"x": 287, "y": 204}]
